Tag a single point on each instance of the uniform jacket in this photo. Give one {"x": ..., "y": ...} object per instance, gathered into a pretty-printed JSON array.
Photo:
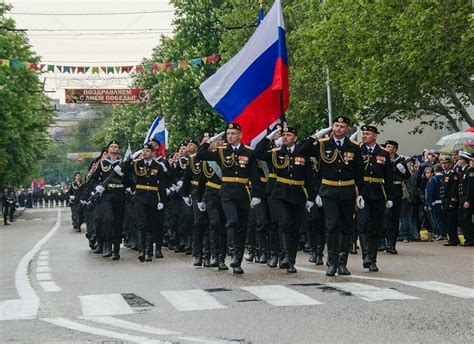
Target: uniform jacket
[{"x": 377, "y": 165}]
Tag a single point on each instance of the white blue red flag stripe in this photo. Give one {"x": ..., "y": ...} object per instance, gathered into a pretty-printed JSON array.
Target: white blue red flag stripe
[
  {"x": 252, "y": 88},
  {"x": 158, "y": 131}
]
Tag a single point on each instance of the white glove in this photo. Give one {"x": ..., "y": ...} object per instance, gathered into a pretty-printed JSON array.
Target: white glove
[
  {"x": 319, "y": 201},
  {"x": 99, "y": 189},
  {"x": 136, "y": 154},
  {"x": 401, "y": 168},
  {"x": 82, "y": 202},
  {"x": 118, "y": 170},
  {"x": 321, "y": 133},
  {"x": 255, "y": 201},
  {"x": 72, "y": 198},
  {"x": 216, "y": 137},
  {"x": 168, "y": 192},
  {"x": 160, "y": 206},
  {"x": 201, "y": 206},
  {"x": 389, "y": 204},
  {"x": 354, "y": 136},
  {"x": 273, "y": 134},
  {"x": 360, "y": 203},
  {"x": 279, "y": 142},
  {"x": 188, "y": 201},
  {"x": 173, "y": 188},
  {"x": 309, "y": 205},
  {"x": 129, "y": 190},
  {"x": 179, "y": 184}
]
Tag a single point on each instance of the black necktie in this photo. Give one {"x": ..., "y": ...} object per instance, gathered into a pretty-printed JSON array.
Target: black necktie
[
  {"x": 339, "y": 144},
  {"x": 371, "y": 150}
]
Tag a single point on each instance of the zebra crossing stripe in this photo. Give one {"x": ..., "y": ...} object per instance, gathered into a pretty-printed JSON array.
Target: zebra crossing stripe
[
  {"x": 107, "y": 320},
  {"x": 278, "y": 295},
  {"x": 49, "y": 286},
  {"x": 108, "y": 304},
  {"x": 371, "y": 293},
  {"x": 444, "y": 288},
  {"x": 192, "y": 300}
]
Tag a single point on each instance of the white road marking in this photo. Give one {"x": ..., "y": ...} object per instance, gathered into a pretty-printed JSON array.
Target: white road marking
[
  {"x": 43, "y": 276},
  {"x": 440, "y": 287},
  {"x": 42, "y": 269},
  {"x": 128, "y": 325},
  {"x": 43, "y": 258},
  {"x": 444, "y": 288},
  {"x": 49, "y": 286},
  {"x": 278, "y": 295},
  {"x": 43, "y": 263},
  {"x": 36, "y": 219},
  {"x": 370, "y": 293},
  {"x": 44, "y": 253},
  {"x": 107, "y": 304},
  {"x": 27, "y": 306},
  {"x": 191, "y": 300},
  {"x": 72, "y": 325}
]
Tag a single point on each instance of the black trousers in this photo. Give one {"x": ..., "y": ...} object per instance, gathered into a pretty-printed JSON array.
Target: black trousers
[
  {"x": 262, "y": 216},
  {"x": 112, "y": 211},
  {"x": 201, "y": 246},
  {"x": 370, "y": 224},
  {"x": 467, "y": 227},
  {"x": 450, "y": 221},
  {"x": 290, "y": 216},
  {"x": 339, "y": 215},
  {"x": 217, "y": 220},
  {"x": 316, "y": 229},
  {"x": 237, "y": 213},
  {"x": 273, "y": 232}
]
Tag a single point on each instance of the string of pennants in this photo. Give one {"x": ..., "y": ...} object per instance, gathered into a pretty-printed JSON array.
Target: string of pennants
[{"x": 153, "y": 67}]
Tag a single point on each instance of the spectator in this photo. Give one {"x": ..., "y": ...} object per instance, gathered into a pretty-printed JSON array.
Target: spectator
[{"x": 433, "y": 201}]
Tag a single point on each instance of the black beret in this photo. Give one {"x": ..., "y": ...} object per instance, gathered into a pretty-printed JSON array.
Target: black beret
[
  {"x": 194, "y": 142},
  {"x": 342, "y": 119},
  {"x": 148, "y": 146},
  {"x": 113, "y": 142},
  {"x": 391, "y": 142},
  {"x": 233, "y": 126},
  {"x": 290, "y": 130},
  {"x": 370, "y": 128},
  {"x": 277, "y": 126}
]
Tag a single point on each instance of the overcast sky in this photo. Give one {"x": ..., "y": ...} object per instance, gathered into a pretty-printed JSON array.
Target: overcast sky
[{"x": 119, "y": 39}]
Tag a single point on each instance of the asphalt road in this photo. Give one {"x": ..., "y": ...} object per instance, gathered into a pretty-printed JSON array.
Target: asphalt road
[{"x": 53, "y": 289}]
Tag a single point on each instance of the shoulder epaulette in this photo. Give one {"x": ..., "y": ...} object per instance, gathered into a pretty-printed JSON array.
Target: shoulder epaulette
[
  {"x": 248, "y": 147},
  {"x": 383, "y": 148},
  {"x": 324, "y": 139},
  {"x": 138, "y": 159},
  {"x": 222, "y": 147},
  {"x": 356, "y": 143},
  {"x": 276, "y": 149}
]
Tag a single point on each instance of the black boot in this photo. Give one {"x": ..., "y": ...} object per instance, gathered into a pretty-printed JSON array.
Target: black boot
[
  {"x": 365, "y": 245},
  {"x": 343, "y": 255},
  {"x": 197, "y": 261},
  {"x": 158, "y": 253},
  {"x": 116, "y": 252},
  {"x": 373, "y": 267},
  {"x": 285, "y": 262},
  {"x": 206, "y": 262},
  {"x": 250, "y": 257},
  {"x": 273, "y": 261},
  {"x": 332, "y": 241},
  {"x": 312, "y": 256},
  {"x": 148, "y": 248},
  {"x": 262, "y": 247},
  {"x": 238, "y": 270},
  {"x": 235, "y": 261},
  {"x": 319, "y": 255},
  {"x": 221, "y": 263},
  {"x": 141, "y": 244},
  {"x": 214, "y": 262},
  {"x": 107, "y": 250}
]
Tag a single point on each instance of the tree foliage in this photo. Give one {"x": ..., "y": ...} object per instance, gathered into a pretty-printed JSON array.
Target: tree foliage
[{"x": 25, "y": 111}]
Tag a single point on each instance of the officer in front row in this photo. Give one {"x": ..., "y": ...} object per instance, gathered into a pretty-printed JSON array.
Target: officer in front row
[
  {"x": 378, "y": 181},
  {"x": 293, "y": 180},
  {"x": 342, "y": 186},
  {"x": 239, "y": 167},
  {"x": 150, "y": 193}
]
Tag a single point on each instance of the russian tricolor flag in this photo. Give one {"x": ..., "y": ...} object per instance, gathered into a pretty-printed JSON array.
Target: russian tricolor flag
[
  {"x": 252, "y": 88},
  {"x": 158, "y": 131}
]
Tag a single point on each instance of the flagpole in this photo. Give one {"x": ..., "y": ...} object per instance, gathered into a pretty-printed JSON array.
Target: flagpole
[{"x": 328, "y": 87}]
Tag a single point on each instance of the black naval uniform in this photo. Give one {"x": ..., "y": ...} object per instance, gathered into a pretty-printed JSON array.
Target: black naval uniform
[
  {"x": 378, "y": 181},
  {"x": 200, "y": 228},
  {"x": 111, "y": 207},
  {"x": 465, "y": 183},
  {"x": 293, "y": 181},
  {"x": 208, "y": 192},
  {"x": 341, "y": 171},
  {"x": 77, "y": 214},
  {"x": 149, "y": 191},
  {"x": 449, "y": 198},
  {"x": 315, "y": 222},
  {"x": 239, "y": 167}
]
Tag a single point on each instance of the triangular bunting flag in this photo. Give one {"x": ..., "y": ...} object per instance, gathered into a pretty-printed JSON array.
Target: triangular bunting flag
[
  {"x": 213, "y": 58},
  {"x": 41, "y": 67},
  {"x": 104, "y": 69},
  {"x": 183, "y": 64},
  {"x": 117, "y": 69},
  {"x": 168, "y": 66},
  {"x": 33, "y": 66},
  {"x": 154, "y": 67},
  {"x": 86, "y": 69},
  {"x": 6, "y": 63},
  {"x": 139, "y": 69},
  {"x": 204, "y": 60},
  {"x": 197, "y": 62},
  {"x": 60, "y": 68},
  {"x": 67, "y": 69},
  {"x": 110, "y": 70},
  {"x": 95, "y": 70},
  {"x": 50, "y": 68}
]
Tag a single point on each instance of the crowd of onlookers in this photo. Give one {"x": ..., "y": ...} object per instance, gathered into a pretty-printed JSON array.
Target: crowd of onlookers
[{"x": 422, "y": 204}]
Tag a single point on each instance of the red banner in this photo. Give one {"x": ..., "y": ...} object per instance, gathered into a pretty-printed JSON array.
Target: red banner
[{"x": 106, "y": 96}]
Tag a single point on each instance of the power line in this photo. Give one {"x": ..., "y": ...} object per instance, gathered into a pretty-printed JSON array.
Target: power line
[{"x": 89, "y": 13}]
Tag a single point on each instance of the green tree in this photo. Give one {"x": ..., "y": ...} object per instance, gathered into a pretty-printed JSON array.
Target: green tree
[
  {"x": 399, "y": 59},
  {"x": 25, "y": 111}
]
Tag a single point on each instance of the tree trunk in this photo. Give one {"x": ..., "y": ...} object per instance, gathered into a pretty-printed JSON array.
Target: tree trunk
[{"x": 462, "y": 110}]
